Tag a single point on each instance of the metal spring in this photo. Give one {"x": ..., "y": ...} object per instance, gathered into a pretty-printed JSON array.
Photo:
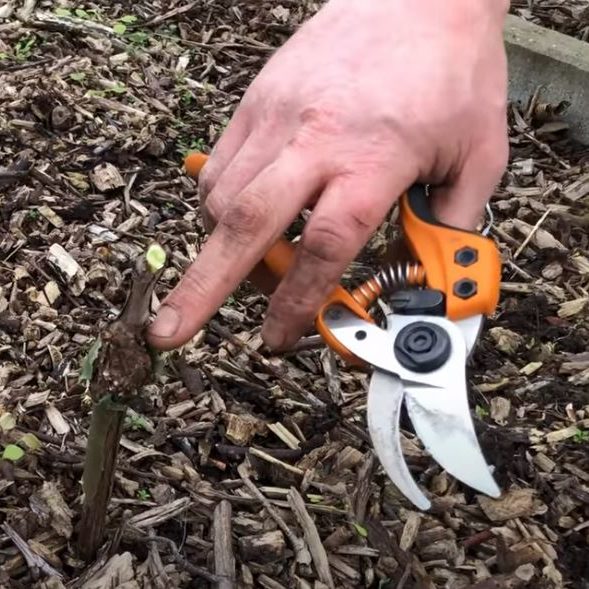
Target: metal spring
[{"x": 389, "y": 279}]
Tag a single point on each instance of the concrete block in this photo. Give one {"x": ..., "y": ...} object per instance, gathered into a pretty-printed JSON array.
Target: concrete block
[{"x": 557, "y": 62}]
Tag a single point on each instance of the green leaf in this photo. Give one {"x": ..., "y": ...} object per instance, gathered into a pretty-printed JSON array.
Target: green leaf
[
  {"x": 138, "y": 37},
  {"x": 7, "y": 422},
  {"x": 362, "y": 531},
  {"x": 62, "y": 11},
  {"x": 78, "y": 76},
  {"x": 82, "y": 13},
  {"x": 12, "y": 453},
  {"x": 87, "y": 369},
  {"x": 118, "y": 88},
  {"x": 119, "y": 28},
  {"x": 155, "y": 257},
  {"x": 128, "y": 18},
  {"x": 31, "y": 441}
]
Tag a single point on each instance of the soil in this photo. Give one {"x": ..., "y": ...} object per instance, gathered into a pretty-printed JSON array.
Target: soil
[{"x": 233, "y": 459}]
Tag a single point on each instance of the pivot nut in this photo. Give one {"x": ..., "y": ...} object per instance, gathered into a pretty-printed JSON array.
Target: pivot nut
[{"x": 422, "y": 347}]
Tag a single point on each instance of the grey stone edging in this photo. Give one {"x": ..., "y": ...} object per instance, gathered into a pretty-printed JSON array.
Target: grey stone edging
[{"x": 557, "y": 62}]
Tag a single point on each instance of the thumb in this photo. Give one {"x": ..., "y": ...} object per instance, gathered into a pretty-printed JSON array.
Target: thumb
[{"x": 461, "y": 203}]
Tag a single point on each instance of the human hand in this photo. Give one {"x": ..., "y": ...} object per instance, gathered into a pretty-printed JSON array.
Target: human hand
[{"x": 364, "y": 100}]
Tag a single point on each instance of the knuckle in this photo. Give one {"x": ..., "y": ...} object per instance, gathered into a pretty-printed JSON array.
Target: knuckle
[
  {"x": 211, "y": 208},
  {"x": 192, "y": 291},
  {"x": 244, "y": 218},
  {"x": 291, "y": 307},
  {"x": 206, "y": 181},
  {"x": 325, "y": 241}
]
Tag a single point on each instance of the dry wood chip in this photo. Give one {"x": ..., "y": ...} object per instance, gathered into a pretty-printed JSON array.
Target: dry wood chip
[
  {"x": 116, "y": 572},
  {"x": 161, "y": 514},
  {"x": 241, "y": 428},
  {"x": 544, "y": 463},
  {"x": 572, "y": 308},
  {"x": 34, "y": 561},
  {"x": 223, "y": 546},
  {"x": 36, "y": 399},
  {"x": 49, "y": 502},
  {"x": 410, "y": 531},
  {"x": 268, "y": 583},
  {"x": 552, "y": 271},
  {"x": 51, "y": 292},
  {"x": 562, "y": 434},
  {"x": 578, "y": 189},
  {"x": 68, "y": 267},
  {"x": 51, "y": 216},
  {"x": 581, "y": 263},
  {"x": 312, "y": 537},
  {"x": 537, "y": 236},
  {"x": 106, "y": 177},
  {"x": 57, "y": 420},
  {"x": 282, "y": 432},
  {"x": 344, "y": 568},
  {"x": 178, "y": 409},
  {"x": 580, "y": 379},
  {"x": 579, "y": 472},
  {"x": 263, "y": 548},
  {"x": 348, "y": 458},
  {"x": 530, "y": 368},
  {"x": 500, "y": 409},
  {"x": 515, "y": 503}
]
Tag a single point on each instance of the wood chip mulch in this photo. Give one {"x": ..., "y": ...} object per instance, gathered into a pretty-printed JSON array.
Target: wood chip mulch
[
  {"x": 570, "y": 17},
  {"x": 238, "y": 464}
]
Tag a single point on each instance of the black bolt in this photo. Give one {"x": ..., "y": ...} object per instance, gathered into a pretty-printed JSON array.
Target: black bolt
[
  {"x": 465, "y": 288},
  {"x": 422, "y": 347},
  {"x": 466, "y": 256}
]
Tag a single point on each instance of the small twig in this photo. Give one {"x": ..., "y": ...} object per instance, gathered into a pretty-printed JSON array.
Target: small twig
[
  {"x": 158, "y": 573},
  {"x": 547, "y": 150},
  {"x": 170, "y": 14},
  {"x": 34, "y": 561},
  {"x": 301, "y": 553},
  {"x": 194, "y": 570},
  {"x": 272, "y": 460},
  {"x": 289, "y": 384},
  {"x": 531, "y": 234}
]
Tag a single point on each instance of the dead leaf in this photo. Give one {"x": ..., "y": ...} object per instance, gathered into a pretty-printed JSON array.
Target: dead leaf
[{"x": 507, "y": 341}]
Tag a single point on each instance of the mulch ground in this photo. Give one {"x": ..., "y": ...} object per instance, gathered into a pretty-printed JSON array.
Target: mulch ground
[
  {"x": 236, "y": 459},
  {"x": 570, "y": 17}
]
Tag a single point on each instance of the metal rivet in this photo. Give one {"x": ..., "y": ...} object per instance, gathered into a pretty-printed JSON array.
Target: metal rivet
[{"x": 465, "y": 288}]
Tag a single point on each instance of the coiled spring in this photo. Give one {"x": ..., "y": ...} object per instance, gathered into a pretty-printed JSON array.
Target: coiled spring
[{"x": 389, "y": 279}]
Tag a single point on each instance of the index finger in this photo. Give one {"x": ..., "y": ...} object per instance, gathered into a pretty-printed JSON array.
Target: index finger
[{"x": 245, "y": 231}]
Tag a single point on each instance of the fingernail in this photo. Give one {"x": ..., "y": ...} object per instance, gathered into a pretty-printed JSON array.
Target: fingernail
[
  {"x": 274, "y": 338},
  {"x": 166, "y": 322}
]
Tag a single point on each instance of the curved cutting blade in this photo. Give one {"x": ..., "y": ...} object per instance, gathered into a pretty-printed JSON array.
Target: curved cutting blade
[
  {"x": 442, "y": 422},
  {"x": 385, "y": 397}
]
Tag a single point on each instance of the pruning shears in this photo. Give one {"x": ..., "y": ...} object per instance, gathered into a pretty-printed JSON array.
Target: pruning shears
[{"x": 433, "y": 308}]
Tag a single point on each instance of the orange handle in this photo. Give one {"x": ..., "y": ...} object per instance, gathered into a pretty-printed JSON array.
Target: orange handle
[
  {"x": 464, "y": 265},
  {"x": 280, "y": 258}
]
